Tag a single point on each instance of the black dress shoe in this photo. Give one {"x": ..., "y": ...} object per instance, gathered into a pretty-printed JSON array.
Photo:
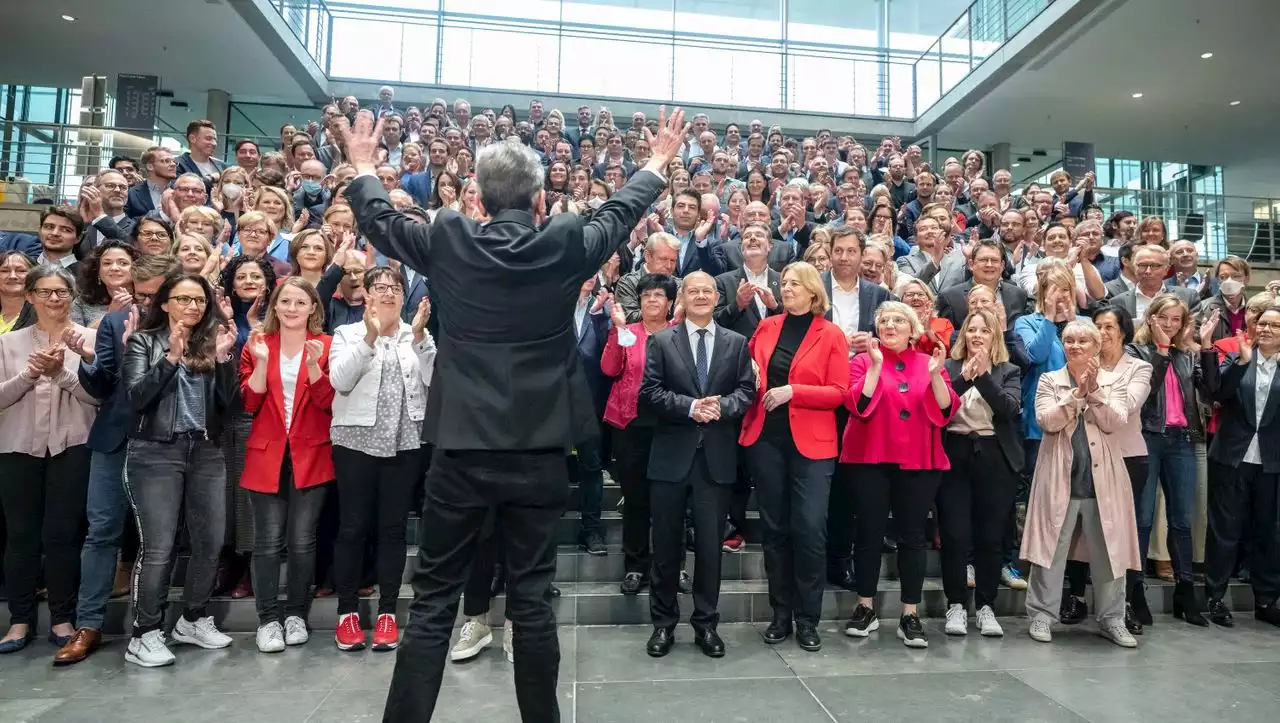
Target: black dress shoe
[
  {"x": 555, "y": 591},
  {"x": 685, "y": 585},
  {"x": 709, "y": 642},
  {"x": 1185, "y": 606},
  {"x": 633, "y": 583},
  {"x": 778, "y": 630},
  {"x": 1219, "y": 614},
  {"x": 890, "y": 545},
  {"x": 840, "y": 574},
  {"x": 1268, "y": 614},
  {"x": 1131, "y": 623},
  {"x": 1073, "y": 610},
  {"x": 660, "y": 642},
  {"x": 807, "y": 637}
]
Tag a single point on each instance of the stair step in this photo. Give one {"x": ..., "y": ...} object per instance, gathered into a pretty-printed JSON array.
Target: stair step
[{"x": 600, "y": 603}]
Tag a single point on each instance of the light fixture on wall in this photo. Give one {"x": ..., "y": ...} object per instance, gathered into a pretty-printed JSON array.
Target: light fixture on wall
[{"x": 1235, "y": 103}]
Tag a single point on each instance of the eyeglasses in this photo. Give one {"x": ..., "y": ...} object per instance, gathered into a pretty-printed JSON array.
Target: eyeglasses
[
  {"x": 254, "y": 232},
  {"x": 152, "y": 235},
  {"x": 914, "y": 295},
  {"x": 384, "y": 289},
  {"x": 143, "y": 297},
  {"x": 113, "y": 186},
  {"x": 189, "y": 301},
  {"x": 1150, "y": 267},
  {"x": 55, "y": 293},
  {"x": 1270, "y": 325}
]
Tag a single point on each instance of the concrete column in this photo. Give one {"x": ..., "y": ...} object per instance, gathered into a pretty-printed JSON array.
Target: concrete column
[
  {"x": 218, "y": 109},
  {"x": 1001, "y": 157}
]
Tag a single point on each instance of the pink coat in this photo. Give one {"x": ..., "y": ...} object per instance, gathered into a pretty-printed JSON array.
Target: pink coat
[
  {"x": 1106, "y": 412},
  {"x": 896, "y": 428},
  {"x": 626, "y": 365}
]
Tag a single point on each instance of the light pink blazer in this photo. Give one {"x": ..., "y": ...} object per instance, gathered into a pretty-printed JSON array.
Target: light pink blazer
[
  {"x": 45, "y": 415},
  {"x": 1105, "y": 412},
  {"x": 1134, "y": 377}
]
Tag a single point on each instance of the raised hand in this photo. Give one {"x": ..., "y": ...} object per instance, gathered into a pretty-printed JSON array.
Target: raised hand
[
  {"x": 746, "y": 290},
  {"x": 312, "y": 350},
  {"x": 666, "y": 144},
  {"x": 121, "y": 298},
  {"x": 877, "y": 356},
  {"x": 130, "y": 325},
  {"x": 420, "y": 318},
  {"x": 226, "y": 340},
  {"x": 255, "y": 309},
  {"x": 372, "y": 328},
  {"x": 602, "y": 297},
  {"x": 74, "y": 341},
  {"x": 1206, "y": 329},
  {"x": 936, "y": 359},
  {"x": 257, "y": 344},
  {"x": 303, "y": 219},
  {"x": 177, "y": 343},
  {"x": 1159, "y": 335},
  {"x": 91, "y": 202},
  {"x": 361, "y": 142},
  {"x": 618, "y": 316},
  {"x": 1246, "y": 347}
]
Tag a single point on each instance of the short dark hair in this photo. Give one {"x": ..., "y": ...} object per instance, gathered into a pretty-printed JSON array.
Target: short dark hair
[
  {"x": 1123, "y": 319},
  {"x": 690, "y": 193},
  {"x": 293, "y": 148},
  {"x": 117, "y": 160},
  {"x": 377, "y": 272},
  {"x": 1124, "y": 253},
  {"x": 245, "y": 142},
  {"x": 846, "y": 232},
  {"x": 196, "y": 125},
  {"x": 987, "y": 243},
  {"x": 648, "y": 282},
  {"x": 1112, "y": 226},
  {"x": 67, "y": 212}
]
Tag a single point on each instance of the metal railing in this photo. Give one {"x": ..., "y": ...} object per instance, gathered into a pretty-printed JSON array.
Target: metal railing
[{"x": 981, "y": 30}]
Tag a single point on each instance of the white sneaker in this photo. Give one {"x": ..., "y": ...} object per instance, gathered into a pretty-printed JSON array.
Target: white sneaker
[
  {"x": 295, "y": 631},
  {"x": 270, "y": 638},
  {"x": 473, "y": 638},
  {"x": 149, "y": 651},
  {"x": 1010, "y": 578},
  {"x": 1116, "y": 632},
  {"x": 968, "y": 577},
  {"x": 957, "y": 620},
  {"x": 1040, "y": 631},
  {"x": 507, "y": 647},
  {"x": 202, "y": 632},
  {"x": 987, "y": 623}
]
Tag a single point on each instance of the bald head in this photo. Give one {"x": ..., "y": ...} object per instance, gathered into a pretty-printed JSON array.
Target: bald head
[
  {"x": 710, "y": 204},
  {"x": 699, "y": 296},
  {"x": 755, "y": 211}
]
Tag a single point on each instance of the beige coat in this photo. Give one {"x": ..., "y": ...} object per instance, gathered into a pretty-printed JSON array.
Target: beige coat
[{"x": 1105, "y": 413}]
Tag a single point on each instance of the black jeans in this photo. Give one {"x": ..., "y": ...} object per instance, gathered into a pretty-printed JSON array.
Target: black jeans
[
  {"x": 590, "y": 472},
  {"x": 634, "y": 444},
  {"x": 530, "y": 490},
  {"x": 1240, "y": 497},
  {"x": 376, "y": 494},
  {"x": 478, "y": 593},
  {"x": 709, "y": 503},
  {"x": 792, "y": 491},
  {"x": 44, "y": 502},
  {"x": 291, "y": 514},
  {"x": 1078, "y": 572},
  {"x": 840, "y": 521},
  {"x": 909, "y": 494},
  {"x": 974, "y": 500},
  {"x": 165, "y": 480}
]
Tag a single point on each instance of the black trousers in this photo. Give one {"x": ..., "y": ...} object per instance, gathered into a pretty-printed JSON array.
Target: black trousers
[
  {"x": 478, "y": 593},
  {"x": 633, "y": 444},
  {"x": 1238, "y": 498},
  {"x": 44, "y": 503},
  {"x": 739, "y": 498},
  {"x": 879, "y": 489},
  {"x": 792, "y": 491},
  {"x": 668, "y": 502},
  {"x": 1078, "y": 572},
  {"x": 376, "y": 494},
  {"x": 530, "y": 491},
  {"x": 974, "y": 499},
  {"x": 285, "y": 519},
  {"x": 840, "y": 521}
]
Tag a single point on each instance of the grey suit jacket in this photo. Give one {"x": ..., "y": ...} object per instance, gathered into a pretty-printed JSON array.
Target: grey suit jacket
[
  {"x": 1129, "y": 300},
  {"x": 919, "y": 265},
  {"x": 779, "y": 254},
  {"x": 743, "y": 321},
  {"x": 1116, "y": 287}
]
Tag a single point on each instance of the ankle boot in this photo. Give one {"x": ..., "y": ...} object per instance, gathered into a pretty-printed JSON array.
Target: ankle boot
[
  {"x": 1185, "y": 606},
  {"x": 1138, "y": 599}
]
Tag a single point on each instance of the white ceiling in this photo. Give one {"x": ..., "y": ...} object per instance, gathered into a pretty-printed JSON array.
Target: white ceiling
[
  {"x": 193, "y": 45},
  {"x": 1080, "y": 87}
]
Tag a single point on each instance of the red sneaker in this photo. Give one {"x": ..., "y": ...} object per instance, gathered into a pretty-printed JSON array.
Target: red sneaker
[
  {"x": 386, "y": 634},
  {"x": 734, "y": 544},
  {"x": 349, "y": 634}
]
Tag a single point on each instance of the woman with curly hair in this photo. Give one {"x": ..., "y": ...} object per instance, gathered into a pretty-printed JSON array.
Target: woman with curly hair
[{"x": 105, "y": 282}]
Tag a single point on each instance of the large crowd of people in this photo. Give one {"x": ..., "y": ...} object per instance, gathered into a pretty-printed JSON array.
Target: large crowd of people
[{"x": 222, "y": 357}]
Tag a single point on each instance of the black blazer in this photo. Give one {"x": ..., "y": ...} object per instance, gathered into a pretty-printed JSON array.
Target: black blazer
[
  {"x": 151, "y": 384},
  {"x": 504, "y": 292},
  {"x": 953, "y": 302},
  {"x": 1234, "y": 390},
  {"x": 1002, "y": 390},
  {"x": 102, "y": 380},
  {"x": 139, "y": 204},
  {"x": 706, "y": 258},
  {"x": 870, "y": 297},
  {"x": 595, "y": 332},
  {"x": 121, "y": 230},
  {"x": 743, "y": 321},
  {"x": 731, "y": 254},
  {"x": 669, "y": 388}
]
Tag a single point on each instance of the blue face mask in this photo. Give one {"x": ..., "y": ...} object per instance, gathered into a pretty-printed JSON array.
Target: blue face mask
[{"x": 310, "y": 187}]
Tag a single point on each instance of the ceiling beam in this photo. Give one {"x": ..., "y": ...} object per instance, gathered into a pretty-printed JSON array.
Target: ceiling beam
[{"x": 278, "y": 38}]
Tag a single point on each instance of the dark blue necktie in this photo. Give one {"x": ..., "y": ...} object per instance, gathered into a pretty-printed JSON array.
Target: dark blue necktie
[{"x": 700, "y": 363}]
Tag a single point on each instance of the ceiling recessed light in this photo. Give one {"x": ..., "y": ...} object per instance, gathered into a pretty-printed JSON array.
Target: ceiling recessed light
[
  {"x": 1206, "y": 56},
  {"x": 68, "y": 18},
  {"x": 1014, "y": 165},
  {"x": 1235, "y": 102},
  {"x": 1137, "y": 95}
]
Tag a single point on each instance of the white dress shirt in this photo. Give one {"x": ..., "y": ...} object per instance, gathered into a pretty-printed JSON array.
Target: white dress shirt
[
  {"x": 844, "y": 307},
  {"x": 580, "y": 315},
  {"x": 64, "y": 262},
  {"x": 762, "y": 281},
  {"x": 289, "y": 369},
  {"x": 691, "y": 330},
  {"x": 1261, "y": 390},
  {"x": 1141, "y": 302}
]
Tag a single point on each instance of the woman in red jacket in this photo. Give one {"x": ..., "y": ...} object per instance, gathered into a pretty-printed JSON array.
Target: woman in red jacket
[
  {"x": 790, "y": 437},
  {"x": 284, "y": 381},
  {"x": 623, "y": 359},
  {"x": 900, "y": 400}
]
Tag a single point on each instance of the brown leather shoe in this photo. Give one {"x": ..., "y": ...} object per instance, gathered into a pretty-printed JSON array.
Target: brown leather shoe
[
  {"x": 1164, "y": 570},
  {"x": 84, "y": 642}
]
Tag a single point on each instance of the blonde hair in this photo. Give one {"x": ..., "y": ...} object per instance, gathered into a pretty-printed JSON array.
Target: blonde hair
[
  {"x": 315, "y": 320},
  {"x": 813, "y": 249},
  {"x": 900, "y": 288},
  {"x": 999, "y": 352},
  {"x": 251, "y": 217},
  {"x": 820, "y": 235},
  {"x": 811, "y": 280},
  {"x": 917, "y": 328},
  {"x": 204, "y": 242},
  {"x": 203, "y": 212},
  {"x": 280, "y": 194},
  {"x": 1158, "y": 306},
  {"x": 1053, "y": 272}
]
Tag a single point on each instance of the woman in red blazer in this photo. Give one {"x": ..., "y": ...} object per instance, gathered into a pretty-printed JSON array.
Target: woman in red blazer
[
  {"x": 284, "y": 373},
  {"x": 802, "y": 363},
  {"x": 899, "y": 401}
]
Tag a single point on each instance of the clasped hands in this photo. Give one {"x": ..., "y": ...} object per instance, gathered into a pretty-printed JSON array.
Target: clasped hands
[{"x": 706, "y": 409}]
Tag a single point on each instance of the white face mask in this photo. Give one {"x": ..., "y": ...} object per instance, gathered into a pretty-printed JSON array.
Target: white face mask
[
  {"x": 595, "y": 202},
  {"x": 1231, "y": 287}
]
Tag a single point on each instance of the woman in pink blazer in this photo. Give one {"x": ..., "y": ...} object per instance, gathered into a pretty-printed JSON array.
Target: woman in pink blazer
[
  {"x": 1081, "y": 481},
  {"x": 900, "y": 399},
  {"x": 623, "y": 359}
]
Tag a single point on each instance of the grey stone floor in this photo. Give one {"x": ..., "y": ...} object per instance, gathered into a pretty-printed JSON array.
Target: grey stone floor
[{"x": 1179, "y": 673}]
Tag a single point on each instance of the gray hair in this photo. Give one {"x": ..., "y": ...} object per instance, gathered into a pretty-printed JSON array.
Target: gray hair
[
  {"x": 460, "y": 103},
  {"x": 897, "y": 307},
  {"x": 509, "y": 177},
  {"x": 660, "y": 237},
  {"x": 1083, "y": 326},
  {"x": 798, "y": 185},
  {"x": 44, "y": 271}
]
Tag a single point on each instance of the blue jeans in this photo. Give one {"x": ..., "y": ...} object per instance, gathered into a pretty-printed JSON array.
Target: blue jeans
[
  {"x": 1012, "y": 541},
  {"x": 107, "y": 508},
  {"x": 1171, "y": 464},
  {"x": 591, "y": 487}
]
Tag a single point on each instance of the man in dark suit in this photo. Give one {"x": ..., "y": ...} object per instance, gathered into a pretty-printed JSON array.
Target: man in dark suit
[
  {"x": 1125, "y": 281},
  {"x": 60, "y": 229},
  {"x": 202, "y": 139},
  {"x": 699, "y": 382},
  {"x": 792, "y": 229},
  {"x": 106, "y": 504},
  {"x": 1150, "y": 264},
  {"x": 780, "y": 254},
  {"x": 102, "y": 207},
  {"x": 986, "y": 264},
  {"x": 591, "y": 325},
  {"x": 696, "y": 235},
  {"x": 505, "y": 293},
  {"x": 161, "y": 169}
]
